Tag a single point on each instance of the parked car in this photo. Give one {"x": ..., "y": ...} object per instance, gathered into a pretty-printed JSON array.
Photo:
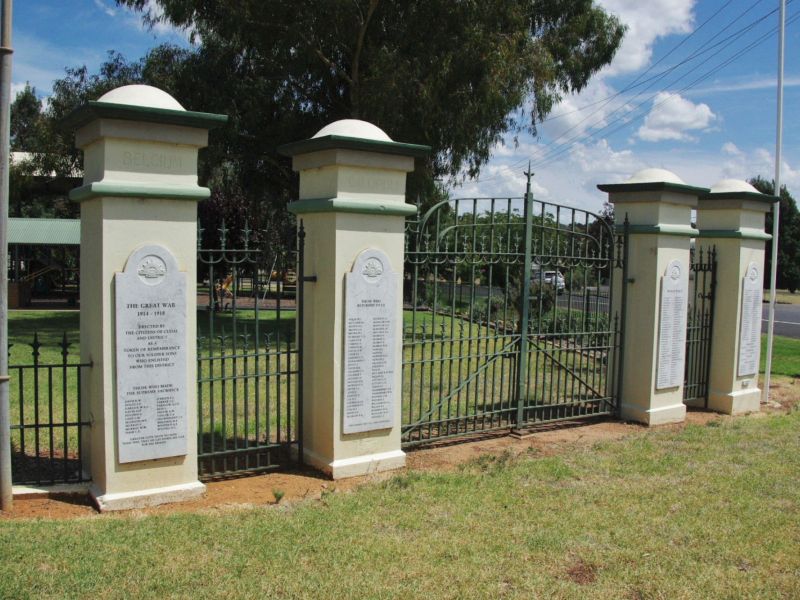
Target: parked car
[{"x": 554, "y": 278}]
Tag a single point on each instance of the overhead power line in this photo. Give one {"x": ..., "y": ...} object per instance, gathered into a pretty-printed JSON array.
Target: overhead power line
[
  {"x": 631, "y": 115},
  {"x": 627, "y": 114}
]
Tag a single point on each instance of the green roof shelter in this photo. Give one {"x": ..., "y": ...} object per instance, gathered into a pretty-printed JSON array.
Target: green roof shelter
[{"x": 44, "y": 261}]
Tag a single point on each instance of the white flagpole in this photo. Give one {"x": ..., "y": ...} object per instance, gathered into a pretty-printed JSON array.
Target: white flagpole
[
  {"x": 776, "y": 210},
  {"x": 5, "y": 120}
]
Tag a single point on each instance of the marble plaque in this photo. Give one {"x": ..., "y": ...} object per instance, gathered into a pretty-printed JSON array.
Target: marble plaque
[
  {"x": 370, "y": 310},
  {"x": 151, "y": 356},
  {"x": 672, "y": 326},
  {"x": 750, "y": 326}
]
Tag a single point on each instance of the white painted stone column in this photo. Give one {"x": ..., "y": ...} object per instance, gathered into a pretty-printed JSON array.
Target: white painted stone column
[
  {"x": 138, "y": 215},
  {"x": 731, "y": 217},
  {"x": 658, "y": 206},
  {"x": 352, "y": 204}
]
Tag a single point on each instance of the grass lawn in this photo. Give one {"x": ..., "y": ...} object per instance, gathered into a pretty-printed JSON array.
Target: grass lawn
[
  {"x": 251, "y": 399},
  {"x": 710, "y": 511},
  {"x": 785, "y": 356},
  {"x": 784, "y": 297}
]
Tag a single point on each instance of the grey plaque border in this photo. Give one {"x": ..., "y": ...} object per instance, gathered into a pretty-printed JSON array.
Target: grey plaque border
[
  {"x": 670, "y": 375},
  {"x": 127, "y": 455},
  {"x": 745, "y": 367},
  {"x": 362, "y": 272}
]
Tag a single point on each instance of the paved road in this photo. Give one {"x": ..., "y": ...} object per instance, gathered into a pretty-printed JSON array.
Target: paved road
[{"x": 787, "y": 320}]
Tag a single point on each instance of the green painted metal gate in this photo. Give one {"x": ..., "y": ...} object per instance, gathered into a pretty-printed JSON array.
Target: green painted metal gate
[
  {"x": 248, "y": 352},
  {"x": 507, "y": 317},
  {"x": 700, "y": 323}
]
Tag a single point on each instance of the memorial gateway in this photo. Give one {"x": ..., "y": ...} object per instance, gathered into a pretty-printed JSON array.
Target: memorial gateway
[{"x": 388, "y": 325}]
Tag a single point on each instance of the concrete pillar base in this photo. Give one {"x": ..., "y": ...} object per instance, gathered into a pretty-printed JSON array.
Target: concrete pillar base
[
  {"x": 736, "y": 403},
  {"x": 654, "y": 416},
  {"x": 145, "y": 498},
  {"x": 356, "y": 466}
]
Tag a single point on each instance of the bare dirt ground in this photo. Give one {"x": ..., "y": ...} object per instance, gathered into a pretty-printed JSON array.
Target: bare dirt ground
[{"x": 302, "y": 484}]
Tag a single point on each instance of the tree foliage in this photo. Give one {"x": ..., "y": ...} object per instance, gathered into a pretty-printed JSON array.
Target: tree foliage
[
  {"x": 456, "y": 75},
  {"x": 788, "y": 273},
  {"x": 27, "y": 121}
]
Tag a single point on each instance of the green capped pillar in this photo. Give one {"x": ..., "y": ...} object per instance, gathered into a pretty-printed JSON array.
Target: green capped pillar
[
  {"x": 352, "y": 204},
  {"x": 138, "y": 294}
]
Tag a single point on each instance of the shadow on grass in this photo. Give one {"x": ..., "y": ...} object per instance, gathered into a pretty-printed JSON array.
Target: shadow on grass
[
  {"x": 29, "y": 469},
  {"x": 49, "y": 324},
  {"x": 240, "y": 456}
]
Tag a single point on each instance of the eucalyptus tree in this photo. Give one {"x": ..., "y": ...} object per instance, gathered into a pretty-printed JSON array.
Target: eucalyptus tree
[{"x": 456, "y": 75}]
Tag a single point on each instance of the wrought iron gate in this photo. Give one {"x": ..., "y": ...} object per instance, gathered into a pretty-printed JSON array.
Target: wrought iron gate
[
  {"x": 507, "y": 317},
  {"x": 699, "y": 324},
  {"x": 248, "y": 355}
]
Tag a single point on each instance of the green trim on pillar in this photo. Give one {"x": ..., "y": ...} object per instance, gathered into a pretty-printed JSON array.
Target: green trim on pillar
[
  {"x": 98, "y": 189},
  {"x": 752, "y": 196},
  {"x": 735, "y": 234},
  {"x": 653, "y": 186},
  {"x": 346, "y": 205},
  {"x": 680, "y": 230},
  {"x": 341, "y": 142},
  {"x": 93, "y": 110}
]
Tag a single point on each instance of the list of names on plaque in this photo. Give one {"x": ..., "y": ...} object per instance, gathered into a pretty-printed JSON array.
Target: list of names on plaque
[
  {"x": 672, "y": 327},
  {"x": 369, "y": 344},
  {"x": 151, "y": 356},
  {"x": 750, "y": 326}
]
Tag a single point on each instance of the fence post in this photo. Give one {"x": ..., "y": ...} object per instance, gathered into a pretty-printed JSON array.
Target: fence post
[
  {"x": 731, "y": 217},
  {"x": 658, "y": 206},
  {"x": 138, "y": 243},
  {"x": 352, "y": 201},
  {"x": 524, "y": 320}
]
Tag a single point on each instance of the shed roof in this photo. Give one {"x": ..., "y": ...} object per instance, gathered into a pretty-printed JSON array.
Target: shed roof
[{"x": 50, "y": 232}]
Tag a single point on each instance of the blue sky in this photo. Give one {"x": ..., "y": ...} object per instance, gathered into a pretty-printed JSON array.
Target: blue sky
[{"x": 722, "y": 126}]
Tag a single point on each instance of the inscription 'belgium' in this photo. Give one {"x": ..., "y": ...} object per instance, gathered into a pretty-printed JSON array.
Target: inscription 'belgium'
[
  {"x": 151, "y": 357},
  {"x": 151, "y": 161},
  {"x": 369, "y": 344}
]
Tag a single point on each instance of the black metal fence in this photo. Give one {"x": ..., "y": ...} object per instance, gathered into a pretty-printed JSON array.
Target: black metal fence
[
  {"x": 248, "y": 356},
  {"x": 700, "y": 323},
  {"x": 47, "y": 424},
  {"x": 507, "y": 317}
]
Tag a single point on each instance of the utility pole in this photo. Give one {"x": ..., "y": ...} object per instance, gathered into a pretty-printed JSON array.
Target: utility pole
[
  {"x": 5, "y": 155},
  {"x": 776, "y": 208}
]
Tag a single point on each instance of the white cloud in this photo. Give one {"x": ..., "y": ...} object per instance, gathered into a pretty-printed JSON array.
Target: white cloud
[
  {"x": 110, "y": 11},
  {"x": 16, "y": 88},
  {"x": 731, "y": 149},
  {"x": 738, "y": 164},
  {"x": 500, "y": 180},
  {"x": 599, "y": 105},
  {"x": 646, "y": 21},
  {"x": 672, "y": 116},
  {"x": 157, "y": 24},
  {"x": 601, "y": 161},
  {"x": 571, "y": 179},
  {"x": 579, "y": 113}
]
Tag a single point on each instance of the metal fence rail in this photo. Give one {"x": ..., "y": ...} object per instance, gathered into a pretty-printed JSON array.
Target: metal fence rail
[
  {"x": 47, "y": 425},
  {"x": 507, "y": 317},
  {"x": 700, "y": 323},
  {"x": 248, "y": 356}
]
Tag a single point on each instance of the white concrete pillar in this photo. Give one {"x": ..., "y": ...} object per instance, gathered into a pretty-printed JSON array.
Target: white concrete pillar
[
  {"x": 658, "y": 206},
  {"x": 138, "y": 214},
  {"x": 352, "y": 200},
  {"x": 731, "y": 217}
]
